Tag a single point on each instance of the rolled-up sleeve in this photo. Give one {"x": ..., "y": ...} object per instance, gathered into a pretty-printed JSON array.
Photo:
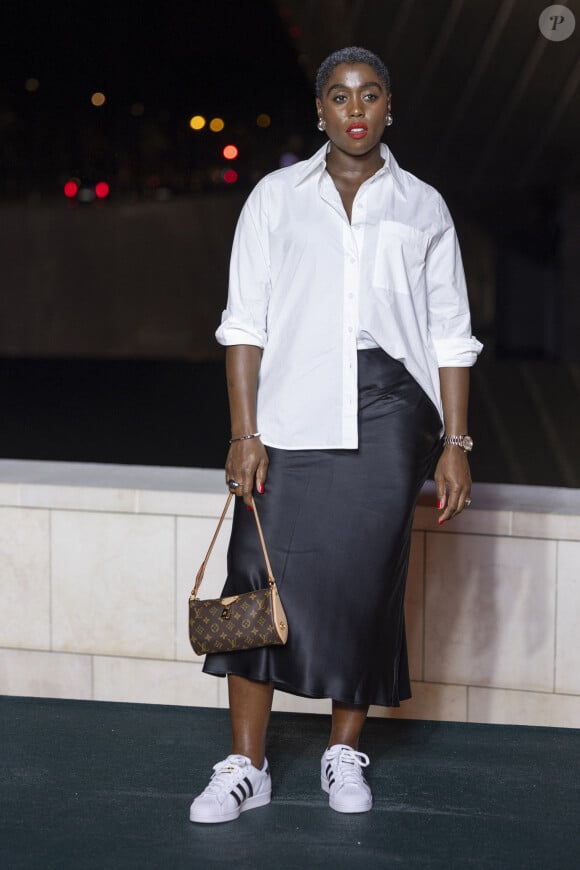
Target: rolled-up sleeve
[
  {"x": 244, "y": 321},
  {"x": 448, "y": 305}
]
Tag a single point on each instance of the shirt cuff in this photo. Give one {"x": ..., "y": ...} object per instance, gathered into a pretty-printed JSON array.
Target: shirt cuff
[
  {"x": 457, "y": 352},
  {"x": 237, "y": 332}
]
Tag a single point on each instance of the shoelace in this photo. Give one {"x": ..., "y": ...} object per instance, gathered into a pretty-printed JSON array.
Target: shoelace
[
  {"x": 224, "y": 773},
  {"x": 349, "y": 763}
]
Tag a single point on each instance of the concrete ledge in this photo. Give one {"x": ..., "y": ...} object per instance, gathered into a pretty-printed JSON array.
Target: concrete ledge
[{"x": 518, "y": 511}]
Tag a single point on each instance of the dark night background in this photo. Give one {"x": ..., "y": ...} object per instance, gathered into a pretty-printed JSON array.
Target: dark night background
[{"x": 109, "y": 305}]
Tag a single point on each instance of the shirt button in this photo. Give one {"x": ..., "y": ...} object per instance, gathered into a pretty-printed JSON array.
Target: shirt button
[
  {"x": 351, "y": 295},
  {"x": 350, "y": 328},
  {"x": 353, "y": 259}
]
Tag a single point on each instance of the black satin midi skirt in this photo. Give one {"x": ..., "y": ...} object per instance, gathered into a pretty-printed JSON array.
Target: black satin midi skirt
[{"x": 337, "y": 525}]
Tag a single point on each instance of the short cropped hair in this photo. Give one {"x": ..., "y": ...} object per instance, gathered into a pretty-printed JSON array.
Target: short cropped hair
[{"x": 352, "y": 54}]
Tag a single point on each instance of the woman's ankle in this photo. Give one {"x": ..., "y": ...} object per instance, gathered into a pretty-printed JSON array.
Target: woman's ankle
[{"x": 257, "y": 757}]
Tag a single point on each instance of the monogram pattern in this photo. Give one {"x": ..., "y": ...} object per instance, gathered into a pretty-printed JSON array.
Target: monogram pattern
[{"x": 245, "y": 622}]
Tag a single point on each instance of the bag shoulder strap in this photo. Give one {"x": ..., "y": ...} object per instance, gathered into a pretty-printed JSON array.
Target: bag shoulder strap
[{"x": 201, "y": 572}]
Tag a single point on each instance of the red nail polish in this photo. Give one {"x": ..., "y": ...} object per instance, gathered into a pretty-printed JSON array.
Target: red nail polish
[
  {"x": 249, "y": 506},
  {"x": 441, "y": 521},
  {"x": 262, "y": 489},
  {"x": 439, "y": 503}
]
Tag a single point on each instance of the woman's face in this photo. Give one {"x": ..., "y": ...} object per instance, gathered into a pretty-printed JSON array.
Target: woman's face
[{"x": 354, "y": 105}]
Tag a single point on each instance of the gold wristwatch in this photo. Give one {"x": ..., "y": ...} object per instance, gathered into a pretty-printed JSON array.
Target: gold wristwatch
[{"x": 463, "y": 441}]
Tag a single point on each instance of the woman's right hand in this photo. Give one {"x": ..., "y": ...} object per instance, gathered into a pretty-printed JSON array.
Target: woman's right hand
[{"x": 247, "y": 464}]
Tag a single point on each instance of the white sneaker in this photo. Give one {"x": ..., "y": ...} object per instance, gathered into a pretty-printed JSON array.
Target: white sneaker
[
  {"x": 342, "y": 779},
  {"x": 235, "y": 786}
]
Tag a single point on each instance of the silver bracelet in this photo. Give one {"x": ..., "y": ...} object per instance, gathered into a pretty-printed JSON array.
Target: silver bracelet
[{"x": 245, "y": 437}]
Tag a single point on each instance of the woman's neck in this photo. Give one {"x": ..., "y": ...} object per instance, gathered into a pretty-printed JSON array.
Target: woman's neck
[{"x": 354, "y": 167}]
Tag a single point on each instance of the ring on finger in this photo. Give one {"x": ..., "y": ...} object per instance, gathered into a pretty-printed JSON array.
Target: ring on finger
[
  {"x": 233, "y": 484},
  {"x": 467, "y": 502}
]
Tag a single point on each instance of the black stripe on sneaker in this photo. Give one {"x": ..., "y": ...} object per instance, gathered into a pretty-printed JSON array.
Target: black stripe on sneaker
[
  {"x": 249, "y": 784},
  {"x": 329, "y": 774},
  {"x": 242, "y": 791},
  {"x": 233, "y": 794}
]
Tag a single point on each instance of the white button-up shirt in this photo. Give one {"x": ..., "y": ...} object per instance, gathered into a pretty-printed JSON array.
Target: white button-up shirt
[{"x": 309, "y": 288}]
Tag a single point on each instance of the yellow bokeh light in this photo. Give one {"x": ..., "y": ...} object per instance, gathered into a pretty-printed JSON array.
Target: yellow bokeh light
[
  {"x": 216, "y": 125},
  {"x": 98, "y": 99},
  {"x": 263, "y": 120},
  {"x": 197, "y": 122},
  {"x": 31, "y": 85}
]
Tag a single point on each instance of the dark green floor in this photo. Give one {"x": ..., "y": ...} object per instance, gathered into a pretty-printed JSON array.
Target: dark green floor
[{"x": 95, "y": 786}]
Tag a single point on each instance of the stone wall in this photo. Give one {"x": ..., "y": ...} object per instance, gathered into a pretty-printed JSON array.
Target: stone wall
[{"x": 97, "y": 562}]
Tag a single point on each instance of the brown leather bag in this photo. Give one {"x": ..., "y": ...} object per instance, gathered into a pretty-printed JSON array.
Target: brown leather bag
[{"x": 237, "y": 622}]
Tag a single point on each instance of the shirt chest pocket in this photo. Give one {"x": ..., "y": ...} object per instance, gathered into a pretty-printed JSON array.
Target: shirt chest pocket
[{"x": 400, "y": 257}]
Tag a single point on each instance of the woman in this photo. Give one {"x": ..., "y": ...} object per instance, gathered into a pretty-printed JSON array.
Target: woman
[{"x": 348, "y": 349}]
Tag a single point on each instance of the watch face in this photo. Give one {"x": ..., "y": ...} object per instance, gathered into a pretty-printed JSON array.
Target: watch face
[{"x": 467, "y": 442}]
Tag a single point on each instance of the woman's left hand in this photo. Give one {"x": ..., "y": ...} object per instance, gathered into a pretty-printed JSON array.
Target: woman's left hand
[{"x": 453, "y": 482}]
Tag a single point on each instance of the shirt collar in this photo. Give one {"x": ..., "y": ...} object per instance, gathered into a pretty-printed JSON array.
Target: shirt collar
[{"x": 317, "y": 163}]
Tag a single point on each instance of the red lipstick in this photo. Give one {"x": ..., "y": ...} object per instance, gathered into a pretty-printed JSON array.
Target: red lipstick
[{"x": 357, "y": 130}]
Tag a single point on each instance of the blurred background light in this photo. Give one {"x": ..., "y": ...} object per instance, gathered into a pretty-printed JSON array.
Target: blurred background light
[
  {"x": 230, "y": 152},
  {"x": 216, "y": 125},
  {"x": 71, "y": 188},
  {"x": 31, "y": 85},
  {"x": 263, "y": 120},
  {"x": 197, "y": 122},
  {"x": 86, "y": 194},
  {"x": 98, "y": 98},
  {"x": 230, "y": 176},
  {"x": 101, "y": 190},
  {"x": 288, "y": 158}
]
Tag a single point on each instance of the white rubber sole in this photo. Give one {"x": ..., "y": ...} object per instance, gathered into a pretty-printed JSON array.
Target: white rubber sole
[
  {"x": 201, "y": 814},
  {"x": 363, "y": 806}
]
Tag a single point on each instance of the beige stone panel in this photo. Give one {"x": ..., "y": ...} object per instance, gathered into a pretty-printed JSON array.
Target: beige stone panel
[
  {"x": 144, "y": 681},
  {"x": 78, "y": 498},
  {"x": 24, "y": 578},
  {"x": 9, "y": 494},
  {"x": 414, "y": 606},
  {"x": 471, "y": 520},
  {"x": 490, "y": 611},
  {"x": 113, "y": 584},
  {"x": 193, "y": 537},
  {"x": 555, "y": 526},
  {"x": 284, "y": 702},
  {"x": 45, "y": 674},
  {"x": 222, "y": 690},
  {"x": 568, "y": 618},
  {"x": 195, "y": 504},
  {"x": 505, "y": 707},
  {"x": 429, "y": 701}
]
